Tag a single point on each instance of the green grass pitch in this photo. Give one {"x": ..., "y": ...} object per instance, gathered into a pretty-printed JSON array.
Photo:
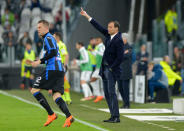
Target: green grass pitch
[{"x": 16, "y": 115}]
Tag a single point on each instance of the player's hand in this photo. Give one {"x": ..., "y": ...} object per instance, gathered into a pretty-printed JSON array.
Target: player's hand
[
  {"x": 35, "y": 63},
  {"x": 74, "y": 62},
  {"x": 29, "y": 62},
  {"x": 126, "y": 51}
]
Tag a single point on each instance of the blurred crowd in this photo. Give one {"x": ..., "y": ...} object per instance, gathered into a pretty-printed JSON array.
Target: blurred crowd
[{"x": 19, "y": 19}]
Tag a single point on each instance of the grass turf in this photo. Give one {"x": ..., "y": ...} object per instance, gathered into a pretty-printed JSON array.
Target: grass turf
[{"x": 19, "y": 116}]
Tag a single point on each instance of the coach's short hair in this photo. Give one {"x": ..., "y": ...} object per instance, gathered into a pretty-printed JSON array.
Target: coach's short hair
[
  {"x": 44, "y": 22},
  {"x": 116, "y": 24}
]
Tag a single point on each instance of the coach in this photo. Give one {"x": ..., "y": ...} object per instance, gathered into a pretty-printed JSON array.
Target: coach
[{"x": 110, "y": 69}]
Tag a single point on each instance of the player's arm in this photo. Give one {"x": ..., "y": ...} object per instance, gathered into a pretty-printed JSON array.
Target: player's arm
[
  {"x": 85, "y": 58},
  {"x": 52, "y": 52},
  {"x": 101, "y": 51},
  {"x": 94, "y": 23},
  {"x": 66, "y": 59}
]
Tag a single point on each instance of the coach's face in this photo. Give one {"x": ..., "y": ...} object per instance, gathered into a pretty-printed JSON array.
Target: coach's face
[
  {"x": 111, "y": 29},
  {"x": 41, "y": 29}
]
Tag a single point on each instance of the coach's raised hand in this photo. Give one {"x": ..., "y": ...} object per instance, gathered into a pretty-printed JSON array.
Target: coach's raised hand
[{"x": 83, "y": 13}]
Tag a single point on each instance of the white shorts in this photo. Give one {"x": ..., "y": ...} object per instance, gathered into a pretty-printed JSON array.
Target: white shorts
[
  {"x": 96, "y": 73},
  {"x": 86, "y": 75}
]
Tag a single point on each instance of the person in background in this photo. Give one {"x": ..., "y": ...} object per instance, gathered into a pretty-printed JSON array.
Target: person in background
[
  {"x": 182, "y": 71},
  {"x": 171, "y": 23},
  {"x": 173, "y": 78},
  {"x": 86, "y": 70},
  {"x": 176, "y": 63},
  {"x": 91, "y": 49},
  {"x": 38, "y": 42},
  {"x": 7, "y": 18},
  {"x": 22, "y": 44},
  {"x": 142, "y": 58},
  {"x": 29, "y": 55},
  {"x": 95, "y": 79},
  {"x": 126, "y": 75},
  {"x": 64, "y": 59},
  {"x": 156, "y": 79}
]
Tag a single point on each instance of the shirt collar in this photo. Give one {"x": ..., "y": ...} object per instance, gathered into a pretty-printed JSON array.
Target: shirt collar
[
  {"x": 45, "y": 35},
  {"x": 112, "y": 36}
]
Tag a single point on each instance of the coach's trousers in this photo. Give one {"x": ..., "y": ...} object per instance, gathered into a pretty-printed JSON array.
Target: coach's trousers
[{"x": 110, "y": 94}]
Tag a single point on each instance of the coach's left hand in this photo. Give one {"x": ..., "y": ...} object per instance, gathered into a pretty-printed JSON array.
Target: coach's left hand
[{"x": 35, "y": 63}]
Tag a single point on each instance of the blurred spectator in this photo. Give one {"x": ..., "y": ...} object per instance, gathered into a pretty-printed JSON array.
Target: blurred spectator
[
  {"x": 11, "y": 40},
  {"x": 142, "y": 58},
  {"x": 173, "y": 78},
  {"x": 25, "y": 39},
  {"x": 176, "y": 64},
  {"x": 21, "y": 45},
  {"x": 58, "y": 17},
  {"x": 171, "y": 23},
  {"x": 20, "y": 7},
  {"x": 8, "y": 29},
  {"x": 52, "y": 28},
  {"x": 182, "y": 70},
  {"x": 157, "y": 79},
  {"x": 35, "y": 4},
  {"x": 7, "y": 18},
  {"x": 10, "y": 5},
  {"x": 38, "y": 42}
]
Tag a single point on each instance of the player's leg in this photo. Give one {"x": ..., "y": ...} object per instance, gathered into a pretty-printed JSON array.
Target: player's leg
[
  {"x": 63, "y": 107},
  {"x": 39, "y": 84},
  {"x": 85, "y": 77},
  {"x": 95, "y": 84},
  {"x": 42, "y": 100},
  {"x": 67, "y": 91},
  {"x": 58, "y": 89},
  {"x": 22, "y": 86},
  {"x": 31, "y": 78}
]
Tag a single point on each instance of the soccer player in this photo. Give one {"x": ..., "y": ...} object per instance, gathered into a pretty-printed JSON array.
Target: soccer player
[
  {"x": 95, "y": 79},
  {"x": 29, "y": 54},
  {"x": 86, "y": 70},
  {"x": 64, "y": 59},
  {"x": 53, "y": 76}
]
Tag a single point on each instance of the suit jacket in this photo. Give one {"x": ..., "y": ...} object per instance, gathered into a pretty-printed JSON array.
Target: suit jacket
[
  {"x": 113, "y": 54},
  {"x": 126, "y": 65}
]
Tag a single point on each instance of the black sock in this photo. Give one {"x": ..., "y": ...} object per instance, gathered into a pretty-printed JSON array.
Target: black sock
[
  {"x": 41, "y": 99},
  {"x": 62, "y": 105},
  {"x": 24, "y": 80},
  {"x": 30, "y": 83}
]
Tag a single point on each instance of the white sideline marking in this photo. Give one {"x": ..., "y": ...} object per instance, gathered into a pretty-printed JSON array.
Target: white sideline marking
[
  {"x": 138, "y": 111},
  {"x": 155, "y": 118},
  {"x": 35, "y": 104},
  {"x": 150, "y": 123},
  {"x": 162, "y": 126}
]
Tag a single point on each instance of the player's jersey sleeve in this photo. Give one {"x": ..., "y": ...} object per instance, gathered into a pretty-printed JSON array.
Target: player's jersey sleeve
[{"x": 50, "y": 43}]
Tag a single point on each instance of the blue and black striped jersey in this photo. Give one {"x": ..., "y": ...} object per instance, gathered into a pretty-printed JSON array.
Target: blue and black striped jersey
[{"x": 50, "y": 45}]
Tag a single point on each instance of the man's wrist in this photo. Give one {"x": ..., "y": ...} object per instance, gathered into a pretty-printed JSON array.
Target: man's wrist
[{"x": 89, "y": 19}]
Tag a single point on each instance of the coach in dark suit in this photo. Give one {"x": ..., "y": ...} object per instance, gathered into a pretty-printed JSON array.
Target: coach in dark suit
[
  {"x": 126, "y": 75},
  {"x": 110, "y": 68}
]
